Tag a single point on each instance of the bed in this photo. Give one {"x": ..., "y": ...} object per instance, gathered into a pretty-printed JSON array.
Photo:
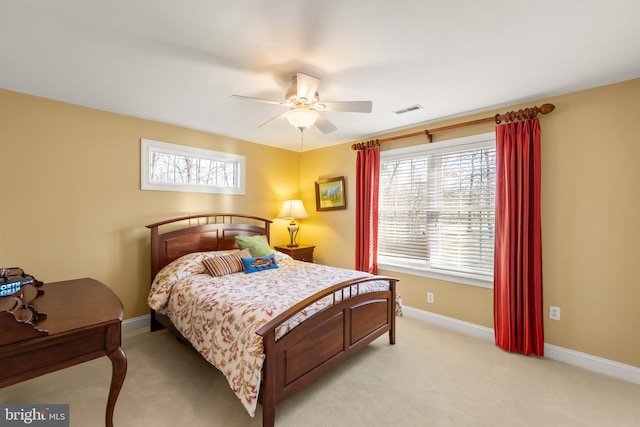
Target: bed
[{"x": 296, "y": 338}]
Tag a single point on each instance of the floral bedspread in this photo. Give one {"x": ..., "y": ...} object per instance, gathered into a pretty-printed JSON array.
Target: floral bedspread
[{"x": 220, "y": 315}]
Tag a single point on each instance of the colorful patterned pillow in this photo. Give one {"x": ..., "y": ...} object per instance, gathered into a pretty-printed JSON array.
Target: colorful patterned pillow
[
  {"x": 227, "y": 264},
  {"x": 258, "y": 245},
  {"x": 251, "y": 265}
]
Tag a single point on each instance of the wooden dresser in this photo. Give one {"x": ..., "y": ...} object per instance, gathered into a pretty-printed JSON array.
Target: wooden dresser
[{"x": 83, "y": 322}]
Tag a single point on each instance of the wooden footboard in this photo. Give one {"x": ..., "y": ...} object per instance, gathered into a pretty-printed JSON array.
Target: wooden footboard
[{"x": 324, "y": 340}]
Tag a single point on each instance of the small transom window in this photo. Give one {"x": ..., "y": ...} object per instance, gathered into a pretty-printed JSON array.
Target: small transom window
[{"x": 172, "y": 167}]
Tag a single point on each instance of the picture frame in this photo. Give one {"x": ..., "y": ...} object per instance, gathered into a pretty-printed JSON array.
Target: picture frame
[{"x": 331, "y": 194}]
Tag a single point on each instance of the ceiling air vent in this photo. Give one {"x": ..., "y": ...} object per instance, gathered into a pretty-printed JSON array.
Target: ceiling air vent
[{"x": 411, "y": 108}]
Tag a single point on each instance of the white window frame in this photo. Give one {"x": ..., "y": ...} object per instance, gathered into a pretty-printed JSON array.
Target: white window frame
[
  {"x": 147, "y": 146},
  {"x": 421, "y": 268}
]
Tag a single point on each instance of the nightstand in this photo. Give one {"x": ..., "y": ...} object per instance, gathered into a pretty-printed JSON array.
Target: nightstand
[{"x": 300, "y": 252}]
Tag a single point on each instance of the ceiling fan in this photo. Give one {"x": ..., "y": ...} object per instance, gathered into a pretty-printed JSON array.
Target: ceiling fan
[{"x": 304, "y": 105}]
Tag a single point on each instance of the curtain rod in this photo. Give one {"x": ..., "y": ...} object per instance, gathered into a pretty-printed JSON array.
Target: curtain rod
[{"x": 511, "y": 116}]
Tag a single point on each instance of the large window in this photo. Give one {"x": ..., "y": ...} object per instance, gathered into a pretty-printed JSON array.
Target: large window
[
  {"x": 172, "y": 167},
  {"x": 437, "y": 210}
]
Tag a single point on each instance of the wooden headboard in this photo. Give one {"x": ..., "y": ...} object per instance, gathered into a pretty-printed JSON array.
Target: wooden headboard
[{"x": 200, "y": 233}]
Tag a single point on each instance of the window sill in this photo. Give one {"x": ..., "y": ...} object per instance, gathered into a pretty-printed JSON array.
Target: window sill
[{"x": 437, "y": 274}]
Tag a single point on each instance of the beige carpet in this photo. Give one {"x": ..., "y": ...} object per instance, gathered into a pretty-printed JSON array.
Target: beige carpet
[{"x": 431, "y": 377}]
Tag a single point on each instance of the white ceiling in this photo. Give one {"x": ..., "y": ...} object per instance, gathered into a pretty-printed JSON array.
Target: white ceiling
[{"x": 179, "y": 62}]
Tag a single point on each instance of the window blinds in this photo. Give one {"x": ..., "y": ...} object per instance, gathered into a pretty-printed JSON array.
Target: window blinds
[{"x": 439, "y": 210}]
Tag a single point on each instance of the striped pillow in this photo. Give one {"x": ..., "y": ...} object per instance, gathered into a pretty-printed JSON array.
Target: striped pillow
[{"x": 226, "y": 264}]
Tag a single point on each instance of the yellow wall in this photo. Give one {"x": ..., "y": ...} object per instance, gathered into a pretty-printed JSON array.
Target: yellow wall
[
  {"x": 71, "y": 200},
  {"x": 590, "y": 205},
  {"x": 72, "y": 207}
]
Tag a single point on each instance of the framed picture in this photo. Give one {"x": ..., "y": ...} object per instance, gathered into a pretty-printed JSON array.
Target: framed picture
[{"x": 331, "y": 194}]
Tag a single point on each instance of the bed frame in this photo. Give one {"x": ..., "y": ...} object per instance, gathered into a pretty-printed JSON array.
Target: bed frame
[{"x": 310, "y": 349}]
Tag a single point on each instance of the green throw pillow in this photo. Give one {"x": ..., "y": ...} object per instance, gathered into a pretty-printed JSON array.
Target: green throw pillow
[{"x": 257, "y": 245}]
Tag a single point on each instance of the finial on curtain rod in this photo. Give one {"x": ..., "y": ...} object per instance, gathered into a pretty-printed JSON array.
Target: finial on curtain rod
[
  {"x": 366, "y": 145},
  {"x": 524, "y": 114}
]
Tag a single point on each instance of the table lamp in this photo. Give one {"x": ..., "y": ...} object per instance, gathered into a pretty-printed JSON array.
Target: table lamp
[{"x": 293, "y": 209}]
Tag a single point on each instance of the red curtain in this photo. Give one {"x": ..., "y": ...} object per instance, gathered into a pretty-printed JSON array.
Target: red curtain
[
  {"x": 518, "y": 311},
  {"x": 367, "y": 183}
]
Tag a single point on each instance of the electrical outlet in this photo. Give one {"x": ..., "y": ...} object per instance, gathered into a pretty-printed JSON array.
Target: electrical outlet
[
  {"x": 430, "y": 297},
  {"x": 554, "y": 312}
]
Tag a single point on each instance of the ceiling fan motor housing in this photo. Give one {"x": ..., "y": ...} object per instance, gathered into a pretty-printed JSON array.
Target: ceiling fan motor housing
[{"x": 292, "y": 98}]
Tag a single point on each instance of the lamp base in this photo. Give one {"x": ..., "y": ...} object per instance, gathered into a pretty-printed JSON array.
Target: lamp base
[{"x": 293, "y": 231}]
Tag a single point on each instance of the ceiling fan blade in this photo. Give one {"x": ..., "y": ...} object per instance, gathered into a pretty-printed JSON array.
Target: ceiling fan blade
[
  {"x": 348, "y": 106},
  {"x": 324, "y": 125},
  {"x": 265, "y": 101},
  {"x": 275, "y": 119},
  {"x": 307, "y": 86}
]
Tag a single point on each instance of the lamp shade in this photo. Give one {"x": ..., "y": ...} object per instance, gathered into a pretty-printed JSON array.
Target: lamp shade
[
  {"x": 302, "y": 118},
  {"x": 293, "y": 209}
]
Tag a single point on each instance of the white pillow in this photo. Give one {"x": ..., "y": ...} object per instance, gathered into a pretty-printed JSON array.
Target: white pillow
[{"x": 185, "y": 266}]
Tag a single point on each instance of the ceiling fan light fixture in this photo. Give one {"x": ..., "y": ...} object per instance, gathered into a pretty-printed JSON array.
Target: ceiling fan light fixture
[{"x": 302, "y": 119}]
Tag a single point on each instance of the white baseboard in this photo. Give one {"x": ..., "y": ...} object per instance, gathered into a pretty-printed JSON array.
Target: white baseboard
[
  {"x": 576, "y": 358},
  {"x": 136, "y": 322},
  {"x": 593, "y": 363},
  {"x": 449, "y": 323},
  {"x": 572, "y": 357}
]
